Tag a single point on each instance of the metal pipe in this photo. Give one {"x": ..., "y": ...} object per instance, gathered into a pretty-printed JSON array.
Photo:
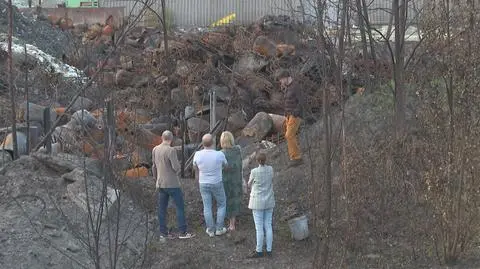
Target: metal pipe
[{"x": 213, "y": 120}]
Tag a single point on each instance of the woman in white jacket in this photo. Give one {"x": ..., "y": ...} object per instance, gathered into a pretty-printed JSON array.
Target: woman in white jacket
[{"x": 262, "y": 202}]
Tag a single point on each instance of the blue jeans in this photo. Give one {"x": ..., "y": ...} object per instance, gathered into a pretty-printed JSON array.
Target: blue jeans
[
  {"x": 218, "y": 192},
  {"x": 263, "y": 221},
  {"x": 163, "y": 196}
]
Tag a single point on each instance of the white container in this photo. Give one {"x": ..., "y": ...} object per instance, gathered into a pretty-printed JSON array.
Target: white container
[{"x": 299, "y": 227}]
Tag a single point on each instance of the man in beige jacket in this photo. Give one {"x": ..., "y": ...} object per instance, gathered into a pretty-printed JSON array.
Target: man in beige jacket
[{"x": 165, "y": 170}]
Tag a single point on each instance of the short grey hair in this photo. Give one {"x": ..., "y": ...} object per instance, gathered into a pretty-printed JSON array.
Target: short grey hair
[
  {"x": 207, "y": 140},
  {"x": 167, "y": 135}
]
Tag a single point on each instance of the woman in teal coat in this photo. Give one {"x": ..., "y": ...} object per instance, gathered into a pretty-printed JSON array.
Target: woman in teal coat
[{"x": 232, "y": 177}]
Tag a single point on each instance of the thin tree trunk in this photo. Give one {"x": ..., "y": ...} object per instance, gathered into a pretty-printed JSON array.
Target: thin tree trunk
[
  {"x": 344, "y": 95},
  {"x": 361, "y": 26},
  {"x": 328, "y": 177},
  {"x": 10, "y": 79},
  {"x": 302, "y": 7},
  {"x": 400, "y": 94},
  {"x": 348, "y": 27},
  {"x": 27, "y": 97},
  {"x": 324, "y": 258},
  {"x": 165, "y": 35},
  {"x": 390, "y": 25},
  {"x": 170, "y": 64},
  {"x": 368, "y": 30}
]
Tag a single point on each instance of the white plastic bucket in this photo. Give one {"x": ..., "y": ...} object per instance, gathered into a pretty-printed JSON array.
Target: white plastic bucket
[{"x": 299, "y": 227}]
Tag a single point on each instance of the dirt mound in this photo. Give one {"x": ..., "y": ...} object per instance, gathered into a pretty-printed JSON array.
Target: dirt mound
[
  {"x": 43, "y": 223},
  {"x": 37, "y": 32}
]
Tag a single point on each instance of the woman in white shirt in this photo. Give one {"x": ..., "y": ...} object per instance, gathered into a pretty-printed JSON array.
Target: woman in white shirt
[{"x": 262, "y": 202}]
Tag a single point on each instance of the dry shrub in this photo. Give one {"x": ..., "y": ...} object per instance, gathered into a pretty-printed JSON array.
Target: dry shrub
[
  {"x": 448, "y": 90},
  {"x": 221, "y": 41},
  {"x": 5, "y": 111},
  {"x": 197, "y": 83},
  {"x": 379, "y": 195},
  {"x": 243, "y": 41}
]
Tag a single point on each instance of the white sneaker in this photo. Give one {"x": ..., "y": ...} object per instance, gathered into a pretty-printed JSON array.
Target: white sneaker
[
  {"x": 211, "y": 234},
  {"x": 221, "y": 231}
]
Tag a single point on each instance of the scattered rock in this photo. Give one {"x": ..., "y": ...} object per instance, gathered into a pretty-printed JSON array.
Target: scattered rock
[
  {"x": 140, "y": 116},
  {"x": 278, "y": 122},
  {"x": 54, "y": 234},
  {"x": 178, "y": 95},
  {"x": 373, "y": 256},
  {"x": 222, "y": 93},
  {"x": 147, "y": 140},
  {"x": 65, "y": 163},
  {"x": 36, "y": 112},
  {"x": 161, "y": 81},
  {"x": 98, "y": 201},
  {"x": 183, "y": 68},
  {"x": 82, "y": 118},
  {"x": 197, "y": 128},
  {"x": 141, "y": 81},
  {"x": 259, "y": 126},
  {"x": 161, "y": 119},
  {"x": 72, "y": 247},
  {"x": 124, "y": 78},
  {"x": 237, "y": 121},
  {"x": 50, "y": 226},
  {"x": 76, "y": 175},
  {"x": 221, "y": 41},
  {"x": 7, "y": 144},
  {"x": 107, "y": 79},
  {"x": 189, "y": 112},
  {"x": 285, "y": 50},
  {"x": 265, "y": 46},
  {"x": 5, "y": 157},
  {"x": 250, "y": 63},
  {"x": 157, "y": 128},
  {"x": 81, "y": 103},
  {"x": 66, "y": 138}
]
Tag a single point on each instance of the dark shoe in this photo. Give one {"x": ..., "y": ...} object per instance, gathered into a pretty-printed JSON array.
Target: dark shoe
[
  {"x": 269, "y": 254},
  {"x": 294, "y": 163},
  {"x": 255, "y": 254}
]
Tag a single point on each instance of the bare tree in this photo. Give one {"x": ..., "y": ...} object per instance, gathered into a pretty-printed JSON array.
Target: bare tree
[
  {"x": 11, "y": 86},
  {"x": 400, "y": 19},
  {"x": 362, "y": 28},
  {"x": 27, "y": 98},
  {"x": 368, "y": 26}
]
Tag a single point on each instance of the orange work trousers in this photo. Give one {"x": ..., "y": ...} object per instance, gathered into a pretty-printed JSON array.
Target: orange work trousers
[{"x": 292, "y": 125}]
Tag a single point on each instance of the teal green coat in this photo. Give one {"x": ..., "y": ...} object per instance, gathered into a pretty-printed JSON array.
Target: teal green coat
[{"x": 232, "y": 180}]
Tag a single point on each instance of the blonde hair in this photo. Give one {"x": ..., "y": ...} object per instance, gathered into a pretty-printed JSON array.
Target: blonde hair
[{"x": 227, "y": 140}]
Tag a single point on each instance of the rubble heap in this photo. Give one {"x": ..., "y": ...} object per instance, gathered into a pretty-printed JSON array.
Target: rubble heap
[
  {"x": 238, "y": 62},
  {"x": 154, "y": 83},
  {"x": 36, "y": 31}
]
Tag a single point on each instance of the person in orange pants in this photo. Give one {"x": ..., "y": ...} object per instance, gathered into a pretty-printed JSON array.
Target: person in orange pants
[{"x": 293, "y": 110}]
